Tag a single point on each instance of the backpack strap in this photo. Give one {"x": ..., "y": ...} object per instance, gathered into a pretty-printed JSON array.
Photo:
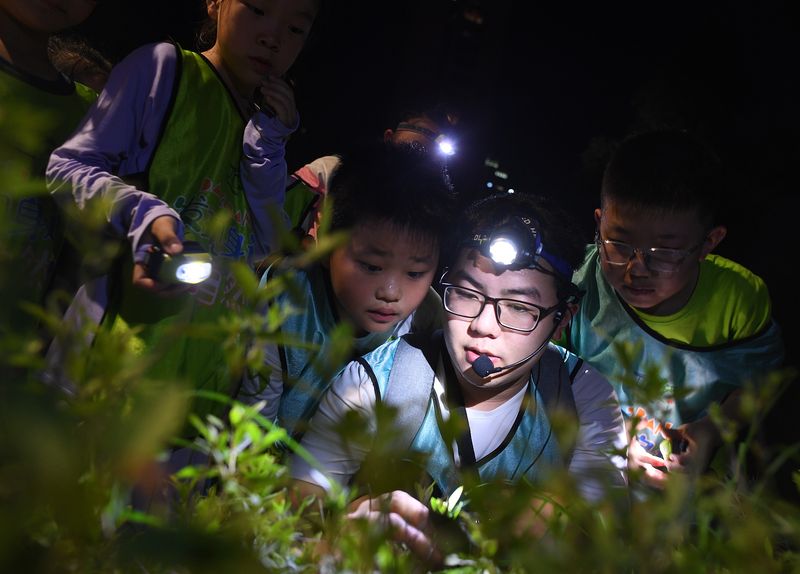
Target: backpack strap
[
  {"x": 409, "y": 387},
  {"x": 554, "y": 383}
]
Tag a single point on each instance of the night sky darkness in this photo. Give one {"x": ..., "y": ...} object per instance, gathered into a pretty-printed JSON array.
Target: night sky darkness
[{"x": 543, "y": 87}]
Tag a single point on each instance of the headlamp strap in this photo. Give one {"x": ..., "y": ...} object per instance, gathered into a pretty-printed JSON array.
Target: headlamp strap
[{"x": 407, "y": 126}]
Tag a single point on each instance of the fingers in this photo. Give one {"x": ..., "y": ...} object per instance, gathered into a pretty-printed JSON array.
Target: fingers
[
  {"x": 279, "y": 96},
  {"x": 406, "y": 517},
  {"x": 638, "y": 456},
  {"x": 143, "y": 281},
  {"x": 164, "y": 230}
]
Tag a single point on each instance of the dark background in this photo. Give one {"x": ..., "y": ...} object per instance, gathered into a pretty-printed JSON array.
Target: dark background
[{"x": 545, "y": 88}]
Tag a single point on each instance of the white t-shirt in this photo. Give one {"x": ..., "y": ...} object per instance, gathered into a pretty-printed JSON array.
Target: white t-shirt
[{"x": 598, "y": 458}]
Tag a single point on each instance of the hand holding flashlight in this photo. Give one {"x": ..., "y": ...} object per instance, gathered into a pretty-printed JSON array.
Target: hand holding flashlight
[{"x": 171, "y": 266}]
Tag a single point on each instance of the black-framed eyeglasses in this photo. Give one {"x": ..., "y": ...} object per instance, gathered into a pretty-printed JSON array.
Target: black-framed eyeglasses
[
  {"x": 658, "y": 259},
  {"x": 510, "y": 313}
]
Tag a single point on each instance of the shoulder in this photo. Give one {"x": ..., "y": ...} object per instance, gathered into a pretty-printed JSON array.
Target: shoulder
[
  {"x": 592, "y": 391},
  {"x": 151, "y": 56},
  {"x": 733, "y": 277},
  {"x": 352, "y": 389},
  {"x": 153, "y": 64},
  {"x": 585, "y": 270},
  {"x": 736, "y": 292}
]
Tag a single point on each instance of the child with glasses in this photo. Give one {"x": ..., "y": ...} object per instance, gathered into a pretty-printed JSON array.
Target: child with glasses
[
  {"x": 490, "y": 372},
  {"x": 651, "y": 280}
]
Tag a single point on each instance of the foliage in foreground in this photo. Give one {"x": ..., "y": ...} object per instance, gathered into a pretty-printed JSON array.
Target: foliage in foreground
[{"x": 82, "y": 489}]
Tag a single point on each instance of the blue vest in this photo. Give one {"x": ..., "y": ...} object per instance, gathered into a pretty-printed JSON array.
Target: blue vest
[
  {"x": 307, "y": 372},
  {"x": 695, "y": 376},
  {"x": 529, "y": 450}
]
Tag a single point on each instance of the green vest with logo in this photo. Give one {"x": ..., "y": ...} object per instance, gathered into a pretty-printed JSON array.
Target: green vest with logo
[{"x": 195, "y": 170}]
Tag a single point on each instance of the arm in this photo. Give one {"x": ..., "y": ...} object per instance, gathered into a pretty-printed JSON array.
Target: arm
[
  {"x": 339, "y": 459},
  {"x": 117, "y": 137},
  {"x": 404, "y": 517},
  {"x": 263, "y": 165},
  {"x": 596, "y": 462}
]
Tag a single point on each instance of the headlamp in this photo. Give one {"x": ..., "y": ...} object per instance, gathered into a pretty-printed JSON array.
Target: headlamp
[
  {"x": 518, "y": 245},
  {"x": 444, "y": 144},
  {"x": 190, "y": 267}
]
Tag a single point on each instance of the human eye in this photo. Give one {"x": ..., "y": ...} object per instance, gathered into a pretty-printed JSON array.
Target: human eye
[
  {"x": 299, "y": 30},
  {"x": 369, "y": 267},
  {"x": 667, "y": 255},
  {"x": 520, "y": 308},
  {"x": 464, "y": 294},
  {"x": 253, "y": 8}
]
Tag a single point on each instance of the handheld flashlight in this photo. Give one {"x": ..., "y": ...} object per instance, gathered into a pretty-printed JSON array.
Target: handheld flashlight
[{"x": 191, "y": 267}]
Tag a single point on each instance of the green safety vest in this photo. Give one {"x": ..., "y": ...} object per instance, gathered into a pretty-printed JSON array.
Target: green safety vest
[{"x": 195, "y": 170}]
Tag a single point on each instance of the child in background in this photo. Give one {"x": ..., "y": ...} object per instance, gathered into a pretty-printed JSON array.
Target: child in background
[
  {"x": 395, "y": 204},
  {"x": 651, "y": 279},
  {"x": 31, "y": 87},
  {"x": 174, "y": 140},
  {"x": 308, "y": 185}
]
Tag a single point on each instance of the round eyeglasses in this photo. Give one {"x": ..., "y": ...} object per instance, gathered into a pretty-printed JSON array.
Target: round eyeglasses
[
  {"x": 657, "y": 259},
  {"x": 510, "y": 313}
]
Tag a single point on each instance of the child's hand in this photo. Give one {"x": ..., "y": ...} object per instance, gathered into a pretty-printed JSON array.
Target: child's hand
[
  {"x": 406, "y": 518},
  {"x": 639, "y": 459},
  {"x": 279, "y": 96},
  {"x": 164, "y": 232},
  {"x": 700, "y": 439}
]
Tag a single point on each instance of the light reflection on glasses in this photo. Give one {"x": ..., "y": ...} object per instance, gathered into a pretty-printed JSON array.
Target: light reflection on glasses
[
  {"x": 658, "y": 259},
  {"x": 510, "y": 313}
]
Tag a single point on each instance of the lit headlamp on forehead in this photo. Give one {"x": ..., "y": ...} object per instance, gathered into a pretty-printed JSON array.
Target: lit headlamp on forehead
[
  {"x": 518, "y": 245},
  {"x": 444, "y": 145}
]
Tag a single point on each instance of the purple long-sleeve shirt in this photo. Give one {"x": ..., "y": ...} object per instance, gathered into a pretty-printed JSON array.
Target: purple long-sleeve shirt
[
  {"x": 120, "y": 133},
  {"x": 117, "y": 139}
]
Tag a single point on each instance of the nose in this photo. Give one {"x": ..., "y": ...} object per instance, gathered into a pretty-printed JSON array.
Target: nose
[
  {"x": 389, "y": 290},
  {"x": 485, "y": 324},
  {"x": 270, "y": 35},
  {"x": 636, "y": 264}
]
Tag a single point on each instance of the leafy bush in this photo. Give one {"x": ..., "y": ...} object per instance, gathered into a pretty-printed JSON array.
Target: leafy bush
[{"x": 76, "y": 466}]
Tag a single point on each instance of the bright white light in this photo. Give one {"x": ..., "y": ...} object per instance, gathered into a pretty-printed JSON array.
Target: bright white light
[
  {"x": 489, "y": 184},
  {"x": 193, "y": 272},
  {"x": 503, "y": 251},
  {"x": 446, "y": 147},
  {"x": 510, "y": 190}
]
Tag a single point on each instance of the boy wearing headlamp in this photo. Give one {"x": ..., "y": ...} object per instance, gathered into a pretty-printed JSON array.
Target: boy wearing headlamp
[{"x": 491, "y": 371}]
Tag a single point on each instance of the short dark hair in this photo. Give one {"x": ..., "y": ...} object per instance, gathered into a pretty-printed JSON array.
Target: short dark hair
[
  {"x": 381, "y": 183},
  {"x": 668, "y": 170},
  {"x": 557, "y": 229}
]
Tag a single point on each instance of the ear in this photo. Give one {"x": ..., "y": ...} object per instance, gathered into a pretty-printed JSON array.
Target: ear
[
  {"x": 597, "y": 214},
  {"x": 566, "y": 316},
  {"x": 387, "y": 135},
  {"x": 212, "y": 7},
  {"x": 714, "y": 238}
]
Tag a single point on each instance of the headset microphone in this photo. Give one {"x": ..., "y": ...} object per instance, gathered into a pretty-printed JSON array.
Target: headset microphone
[{"x": 483, "y": 364}]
